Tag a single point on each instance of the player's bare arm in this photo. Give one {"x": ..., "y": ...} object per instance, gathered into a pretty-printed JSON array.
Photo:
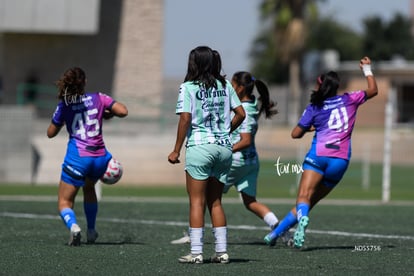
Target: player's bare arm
[
  {"x": 365, "y": 65},
  {"x": 183, "y": 125},
  {"x": 53, "y": 130}
]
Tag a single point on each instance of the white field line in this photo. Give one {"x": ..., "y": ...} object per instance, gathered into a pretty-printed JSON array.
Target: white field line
[{"x": 185, "y": 224}]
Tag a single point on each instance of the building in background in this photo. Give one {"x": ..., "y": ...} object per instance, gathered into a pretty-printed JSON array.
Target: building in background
[{"x": 118, "y": 43}]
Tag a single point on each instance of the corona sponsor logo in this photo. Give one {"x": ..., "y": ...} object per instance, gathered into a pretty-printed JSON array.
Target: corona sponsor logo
[{"x": 203, "y": 94}]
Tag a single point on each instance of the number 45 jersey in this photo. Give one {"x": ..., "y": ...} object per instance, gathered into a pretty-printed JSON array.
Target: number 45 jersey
[
  {"x": 82, "y": 116},
  {"x": 333, "y": 122}
]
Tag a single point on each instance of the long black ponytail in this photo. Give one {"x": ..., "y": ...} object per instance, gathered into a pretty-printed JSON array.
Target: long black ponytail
[
  {"x": 248, "y": 81},
  {"x": 328, "y": 87}
]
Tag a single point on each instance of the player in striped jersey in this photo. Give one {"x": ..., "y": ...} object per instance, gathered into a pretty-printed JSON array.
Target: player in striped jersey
[
  {"x": 245, "y": 165},
  {"x": 205, "y": 103}
]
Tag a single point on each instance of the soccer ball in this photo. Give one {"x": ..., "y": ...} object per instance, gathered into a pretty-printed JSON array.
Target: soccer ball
[{"x": 113, "y": 172}]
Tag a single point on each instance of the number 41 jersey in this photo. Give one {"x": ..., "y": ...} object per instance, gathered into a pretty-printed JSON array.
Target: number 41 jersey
[
  {"x": 83, "y": 118},
  {"x": 334, "y": 122}
]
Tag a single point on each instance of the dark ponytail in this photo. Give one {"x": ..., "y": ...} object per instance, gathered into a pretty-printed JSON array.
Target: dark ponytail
[
  {"x": 217, "y": 68},
  {"x": 328, "y": 87},
  {"x": 266, "y": 104},
  {"x": 248, "y": 81}
]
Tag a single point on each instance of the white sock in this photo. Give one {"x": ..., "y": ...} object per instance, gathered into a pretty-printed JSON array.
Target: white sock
[
  {"x": 220, "y": 235},
  {"x": 271, "y": 219},
  {"x": 196, "y": 239}
]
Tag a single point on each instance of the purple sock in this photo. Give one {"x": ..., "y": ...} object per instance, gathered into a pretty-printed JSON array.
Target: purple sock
[{"x": 91, "y": 210}]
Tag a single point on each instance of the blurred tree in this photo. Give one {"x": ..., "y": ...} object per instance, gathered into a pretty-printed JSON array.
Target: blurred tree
[
  {"x": 267, "y": 64},
  {"x": 283, "y": 49},
  {"x": 384, "y": 40},
  {"x": 272, "y": 53},
  {"x": 292, "y": 28},
  {"x": 329, "y": 34}
]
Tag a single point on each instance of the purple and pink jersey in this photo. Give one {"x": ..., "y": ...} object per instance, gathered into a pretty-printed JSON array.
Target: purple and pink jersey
[
  {"x": 83, "y": 119},
  {"x": 334, "y": 123}
]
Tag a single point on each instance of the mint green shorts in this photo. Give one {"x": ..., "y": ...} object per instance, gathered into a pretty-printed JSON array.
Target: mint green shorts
[
  {"x": 244, "y": 178},
  {"x": 203, "y": 161}
]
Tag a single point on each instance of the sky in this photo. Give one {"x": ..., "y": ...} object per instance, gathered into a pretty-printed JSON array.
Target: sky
[{"x": 230, "y": 26}]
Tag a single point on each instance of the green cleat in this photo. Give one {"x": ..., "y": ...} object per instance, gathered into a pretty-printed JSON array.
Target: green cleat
[
  {"x": 269, "y": 240},
  {"x": 299, "y": 237}
]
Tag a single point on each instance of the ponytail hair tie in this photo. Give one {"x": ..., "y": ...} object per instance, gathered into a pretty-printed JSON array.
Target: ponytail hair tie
[
  {"x": 319, "y": 80},
  {"x": 253, "y": 78}
]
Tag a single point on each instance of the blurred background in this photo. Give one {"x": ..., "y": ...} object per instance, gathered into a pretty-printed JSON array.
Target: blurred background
[{"x": 136, "y": 51}]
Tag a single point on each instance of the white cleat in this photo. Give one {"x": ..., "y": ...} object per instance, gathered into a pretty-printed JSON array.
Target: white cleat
[
  {"x": 75, "y": 235},
  {"x": 191, "y": 259},
  {"x": 183, "y": 240}
]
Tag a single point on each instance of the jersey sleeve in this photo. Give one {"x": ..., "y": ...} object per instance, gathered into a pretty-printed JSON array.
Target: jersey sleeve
[
  {"x": 234, "y": 99},
  {"x": 357, "y": 97},
  {"x": 57, "y": 118},
  {"x": 184, "y": 100},
  {"x": 249, "y": 124},
  {"x": 107, "y": 101},
  {"x": 306, "y": 120}
]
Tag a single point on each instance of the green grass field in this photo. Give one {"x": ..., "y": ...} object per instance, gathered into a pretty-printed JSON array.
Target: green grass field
[
  {"x": 135, "y": 240},
  {"x": 359, "y": 236},
  {"x": 271, "y": 185}
]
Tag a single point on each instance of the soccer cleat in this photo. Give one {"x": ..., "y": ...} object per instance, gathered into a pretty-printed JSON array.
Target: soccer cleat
[
  {"x": 91, "y": 236},
  {"x": 191, "y": 259},
  {"x": 269, "y": 239},
  {"x": 299, "y": 237},
  {"x": 220, "y": 258},
  {"x": 75, "y": 235},
  {"x": 184, "y": 239}
]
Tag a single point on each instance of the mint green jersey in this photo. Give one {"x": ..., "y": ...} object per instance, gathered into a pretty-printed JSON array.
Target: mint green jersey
[
  {"x": 210, "y": 112},
  {"x": 247, "y": 156}
]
